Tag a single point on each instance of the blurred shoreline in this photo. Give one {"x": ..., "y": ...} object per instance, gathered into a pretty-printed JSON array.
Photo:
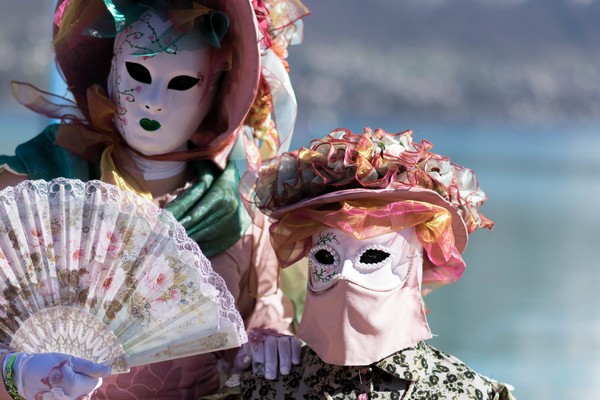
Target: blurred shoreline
[{"x": 529, "y": 61}]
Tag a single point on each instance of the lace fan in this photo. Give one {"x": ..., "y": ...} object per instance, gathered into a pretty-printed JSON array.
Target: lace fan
[{"x": 103, "y": 274}]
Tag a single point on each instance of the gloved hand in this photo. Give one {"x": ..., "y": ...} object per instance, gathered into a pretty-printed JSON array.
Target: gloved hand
[
  {"x": 56, "y": 376},
  {"x": 266, "y": 350}
]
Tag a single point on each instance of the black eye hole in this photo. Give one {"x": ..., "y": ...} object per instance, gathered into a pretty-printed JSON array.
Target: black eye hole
[
  {"x": 373, "y": 256},
  {"x": 324, "y": 257},
  {"x": 183, "y": 82},
  {"x": 138, "y": 72}
]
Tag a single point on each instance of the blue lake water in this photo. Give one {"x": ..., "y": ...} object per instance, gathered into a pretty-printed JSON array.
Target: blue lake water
[{"x": 526, "y": 311}]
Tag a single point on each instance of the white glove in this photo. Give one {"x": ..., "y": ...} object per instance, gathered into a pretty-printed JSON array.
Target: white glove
[
  {"x": 56, "y": 376},
  {"x": 266, "y": 349}
]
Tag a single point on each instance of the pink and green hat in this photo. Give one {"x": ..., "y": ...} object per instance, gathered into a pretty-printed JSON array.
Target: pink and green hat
[{"x": 368, "y": 185}]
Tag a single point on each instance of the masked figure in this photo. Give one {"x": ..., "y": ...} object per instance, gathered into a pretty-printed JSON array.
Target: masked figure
[
  {"x": 382, "y": 221},
  {"x": 162, "y": 92}
]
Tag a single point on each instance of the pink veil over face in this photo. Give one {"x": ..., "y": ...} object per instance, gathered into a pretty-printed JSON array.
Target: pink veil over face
[{"x": 348, "y": 324}]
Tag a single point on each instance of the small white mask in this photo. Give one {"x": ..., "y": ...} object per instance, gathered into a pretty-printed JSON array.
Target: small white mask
[
  {"x": 161, "y": 99},
  {"x": 380, "y": 263}
]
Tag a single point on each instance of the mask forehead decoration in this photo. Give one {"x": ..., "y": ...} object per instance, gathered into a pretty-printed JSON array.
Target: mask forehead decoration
[{"x": 188, "y": 16}]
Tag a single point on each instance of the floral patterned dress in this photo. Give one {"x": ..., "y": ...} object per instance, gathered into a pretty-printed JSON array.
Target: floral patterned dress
[{"x": 418, "y": 373}]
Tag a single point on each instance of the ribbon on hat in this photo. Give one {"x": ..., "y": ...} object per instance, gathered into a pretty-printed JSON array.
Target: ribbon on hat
[
  {"x": 183, "y": 15},
  {"x": 269, "y": 125},
  {"x": 213, "y": 24},
  {"x": 291, "y": 235},
  {"x": 261, "y": 10}
]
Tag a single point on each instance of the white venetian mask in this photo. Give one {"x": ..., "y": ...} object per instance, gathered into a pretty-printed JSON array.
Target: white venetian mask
[
  {"x": 379, "y": 263},
  {"x": 161, "y": 98}
]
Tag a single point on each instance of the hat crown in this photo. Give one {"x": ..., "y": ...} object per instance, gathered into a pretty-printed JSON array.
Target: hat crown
[{"x": 372, "y": 161}]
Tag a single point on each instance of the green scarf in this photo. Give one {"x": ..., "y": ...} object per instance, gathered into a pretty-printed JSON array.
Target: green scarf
[{"x": 211, "y": 210}]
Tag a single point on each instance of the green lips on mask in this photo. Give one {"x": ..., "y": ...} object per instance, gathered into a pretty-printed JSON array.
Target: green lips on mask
[{"x": 149, "y": 124}]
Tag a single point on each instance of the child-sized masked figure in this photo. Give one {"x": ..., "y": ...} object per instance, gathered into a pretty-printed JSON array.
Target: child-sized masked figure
[
  {"x": 382, "y": 220},
  {"x": 163, "y": 89}
]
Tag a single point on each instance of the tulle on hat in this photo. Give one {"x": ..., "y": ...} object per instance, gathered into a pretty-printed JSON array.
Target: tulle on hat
[{"x": 368, "y": 185}]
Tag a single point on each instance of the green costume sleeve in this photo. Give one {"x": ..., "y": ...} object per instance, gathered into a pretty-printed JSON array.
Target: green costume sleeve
[
  {"x": 210, "y": 211},
  {"x": 40, "y": 158}
]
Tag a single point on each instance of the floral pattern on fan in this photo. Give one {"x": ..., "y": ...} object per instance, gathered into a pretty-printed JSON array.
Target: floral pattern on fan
[{"x": 115, "y": 257}]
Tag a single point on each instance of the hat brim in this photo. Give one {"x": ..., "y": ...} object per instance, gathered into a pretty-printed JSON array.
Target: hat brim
[
  {"x": 459, "y": 228},
  {"x": 240, "y": 84}
]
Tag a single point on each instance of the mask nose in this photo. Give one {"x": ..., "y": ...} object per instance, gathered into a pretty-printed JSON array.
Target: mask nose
[
  {"x": 347, "y": 268},
  {"x": 154, "y": 100},
  {"x": 152, "y": 108}
]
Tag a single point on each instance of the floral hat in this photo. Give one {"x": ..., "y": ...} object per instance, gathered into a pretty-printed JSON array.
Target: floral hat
[
  {"x": 368, "y": 185},
  {"x": 253, "y": 33}
]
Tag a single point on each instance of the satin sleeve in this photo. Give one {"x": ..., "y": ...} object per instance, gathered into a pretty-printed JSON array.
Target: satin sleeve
[
  {"x": 251, "y": 272},
  {"x": 40, "y": 158}
]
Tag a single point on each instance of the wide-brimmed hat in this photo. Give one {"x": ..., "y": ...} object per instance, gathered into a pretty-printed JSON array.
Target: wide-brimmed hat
[
  {"x": 84, "y": 53},
  {"x": 362, "y": 173}
]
